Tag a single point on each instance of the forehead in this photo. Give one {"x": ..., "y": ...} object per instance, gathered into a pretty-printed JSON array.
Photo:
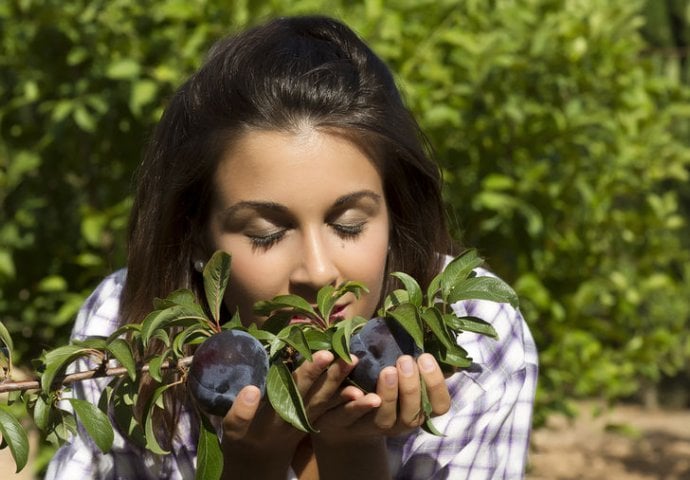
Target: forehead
[{"x": 290, "y": 167}]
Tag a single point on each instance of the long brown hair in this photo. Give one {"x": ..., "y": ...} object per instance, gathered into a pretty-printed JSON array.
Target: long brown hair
[{"x": 277, "y": 76}]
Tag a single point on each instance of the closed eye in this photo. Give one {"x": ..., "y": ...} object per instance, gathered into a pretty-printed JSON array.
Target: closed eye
[
  {"x": 264, "y": 242},
  {"x": 348, "y": 231}
]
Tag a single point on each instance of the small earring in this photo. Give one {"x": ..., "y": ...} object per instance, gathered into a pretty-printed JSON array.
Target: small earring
[{"x": 199, "y": 266}]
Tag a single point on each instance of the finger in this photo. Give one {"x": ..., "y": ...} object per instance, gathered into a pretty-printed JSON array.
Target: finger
[
  {"x": 349, "y": 413},
  {"x": 237, "y": 421},
  {"x": 409, "y": 392},
  {"x": 310, "y": 371},
  {"x": 387, "y": 388},
  {"x": 323, "y": 394},
  {"x": 435, "y": 384}
]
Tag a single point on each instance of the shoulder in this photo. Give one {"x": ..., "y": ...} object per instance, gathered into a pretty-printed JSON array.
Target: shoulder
[{"x": 99, "y": 315}]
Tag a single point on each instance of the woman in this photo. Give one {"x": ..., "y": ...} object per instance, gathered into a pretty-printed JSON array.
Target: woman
[{"x": 292, "y": 150}]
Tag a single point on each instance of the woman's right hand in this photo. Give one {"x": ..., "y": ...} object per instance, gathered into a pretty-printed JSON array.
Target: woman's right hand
[{"x": 257, "y": 442}]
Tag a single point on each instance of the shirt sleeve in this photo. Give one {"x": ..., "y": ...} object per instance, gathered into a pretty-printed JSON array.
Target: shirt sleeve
[{"x": 486, "y": 431}]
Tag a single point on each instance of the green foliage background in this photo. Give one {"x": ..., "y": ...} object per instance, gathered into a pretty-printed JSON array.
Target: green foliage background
[{"x": 561, "y": 129}]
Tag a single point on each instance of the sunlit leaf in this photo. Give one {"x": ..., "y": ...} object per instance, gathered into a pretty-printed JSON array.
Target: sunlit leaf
[
  {"x": 413, "y": 289},
  {"x": 57, "y": 360},
  {"x": 298, "y": 305},
  {"x": 120, "y": 349},
  {"x": 470, "y": 324},
  {"x": 458, "y": 270},
  {"x": 483, "y": 288}
]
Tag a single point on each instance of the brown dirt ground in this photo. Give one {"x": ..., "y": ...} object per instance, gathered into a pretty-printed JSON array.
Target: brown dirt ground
[{"x": 627, "y": 442}]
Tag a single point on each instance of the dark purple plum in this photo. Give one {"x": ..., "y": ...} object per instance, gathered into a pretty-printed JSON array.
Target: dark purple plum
[
  {"x": 378, "y": 345},
  {"x": 224, "y": 364}
]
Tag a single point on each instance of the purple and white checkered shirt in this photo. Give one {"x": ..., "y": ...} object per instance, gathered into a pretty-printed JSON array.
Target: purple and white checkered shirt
[{"x": 485, "y": 432}]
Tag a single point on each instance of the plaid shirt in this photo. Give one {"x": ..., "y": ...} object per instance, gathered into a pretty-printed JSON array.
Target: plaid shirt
[{"x": 486, "y": 431}]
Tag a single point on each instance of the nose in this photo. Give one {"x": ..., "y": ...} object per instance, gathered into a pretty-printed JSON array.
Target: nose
[{"x": 315, "y": 267}]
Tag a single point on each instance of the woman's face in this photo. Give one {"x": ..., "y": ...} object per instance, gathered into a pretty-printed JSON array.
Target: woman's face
[{"x": 298, "y": 211}]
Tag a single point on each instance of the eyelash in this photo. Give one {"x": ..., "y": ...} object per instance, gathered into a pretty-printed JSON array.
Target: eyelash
[{"x": 265, "y": 242}]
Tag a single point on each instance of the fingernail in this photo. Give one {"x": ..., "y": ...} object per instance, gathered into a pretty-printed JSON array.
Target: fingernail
[
  {"x": 250, "y": 396},
  {"x": 391, "y": 378},
  {"x": 406, "y": 366},
  {"x": 427, "y": 363}
]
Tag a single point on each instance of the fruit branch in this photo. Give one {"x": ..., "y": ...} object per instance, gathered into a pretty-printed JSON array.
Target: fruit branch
[{"x": 88, "y": 374}]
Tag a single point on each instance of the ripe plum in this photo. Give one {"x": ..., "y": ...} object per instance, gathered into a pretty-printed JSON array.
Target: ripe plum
[
  {"x": 224, "y": 364},
  {"x": 377, "y": 345}
]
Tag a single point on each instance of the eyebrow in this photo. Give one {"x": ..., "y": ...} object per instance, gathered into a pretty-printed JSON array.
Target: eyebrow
[{"x": 278, "y": 208}]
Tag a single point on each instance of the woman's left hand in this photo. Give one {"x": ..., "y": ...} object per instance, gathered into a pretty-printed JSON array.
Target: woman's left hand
[{"x": 394, "y": 409}]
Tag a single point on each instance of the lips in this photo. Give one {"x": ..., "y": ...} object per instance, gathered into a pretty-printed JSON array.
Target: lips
[{"x": 337, "y": 314}]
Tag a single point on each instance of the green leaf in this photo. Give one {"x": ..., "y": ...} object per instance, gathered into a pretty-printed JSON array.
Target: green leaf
[
  {"x": 209, "y": 454},
  {"x": 120, "y": 349},
  {"x": 15, "y": 436},
  {"x": 5, "y": 337},
  {"x": 57, "y": 360},
  {"x": 178, "y": 315},
  {"x": 407, "y": 315},
  {"x": 294, "y": 336},
  {"x": 413, "y": 289},
  {"x": 470, "y": 324},
  {"x": 151, "y": 440},
  {"x": 42, "y": 410},
  {"x": 318, "y": 339},
  {"x": 458, "y": 270},
  {"x": 182, "y": 296},
  {"x": 285, "y": 398},
  {"x": 393, "y": 299},
  {"x": 342, "y": 335},
  {"x": 432, "y": 290},
  {"x": 216, "y": 277},
  {"x": 484, "y": 288},
  {"x": 155, "y": 366},
  {"x": 428, "y": 425},
  {"x": 95, "y": 422},
  {"x": 325, "y": 299},
  {"x": 298, "y": 305},
  {"x": 433, "y": 319}
]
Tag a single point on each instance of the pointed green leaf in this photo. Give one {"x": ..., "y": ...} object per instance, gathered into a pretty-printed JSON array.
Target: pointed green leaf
[
  {"x": 15, "y": 436},
  {"x": 179, "y": 315},
  {"x": 413, "y": 289},
  {"x": 458, "y": 270},
  {"x": 433, "y": 319},
  {"x": 483, "y": 288},
  {"x": 57, "y": 360},
  {"x": 150, "y": 435},
  {"x": 432, "y": 290},
  {"x": 318, "y": 339},
  {"x": 470, "y": 324},
  {"x": 285, "y": 398},
  {"x": 393, "y": 299},
  {"x": 42, "y": 410},
  {"x": 5, "y": 337},
  {"x": 407, "y": 316},
  {"x": 351, "y": 286},
  {"x": 182, "y": 296},
  {"x": 120, "y": 349},
  {"x": 95, "y": 422},
  {"x": 325, "y": 299},
  {"x": 155, "y": 367},
  {"x": 216, "y": 277},
  {"x": 209, "y": 458},
  {"x": 342, "y": 335},
  {"x": 133, "y": 329},
  {"x": 428, "y": 425},
  {"x": 298, "y": 305},
  {"x": 234, "y": 322},
  {"x": 294, "y": 336}
]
